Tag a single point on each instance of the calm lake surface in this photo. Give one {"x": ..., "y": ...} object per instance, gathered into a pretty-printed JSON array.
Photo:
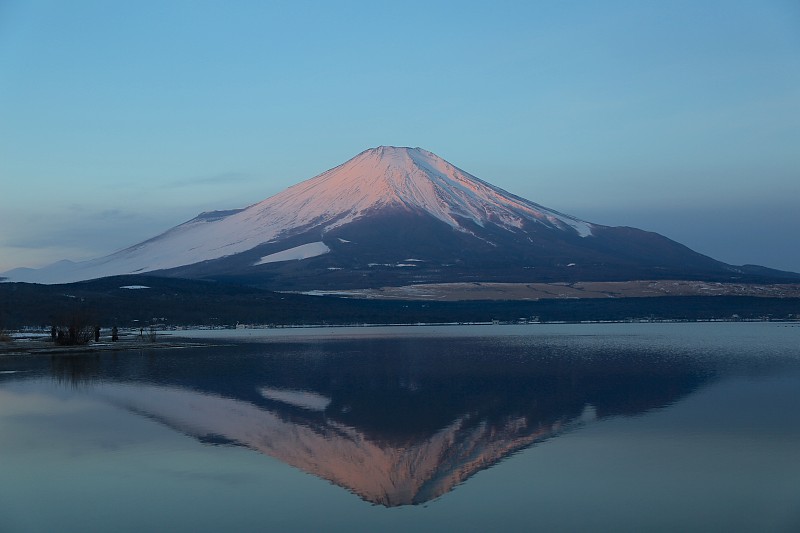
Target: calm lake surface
[{"x": 618, "y": 427}]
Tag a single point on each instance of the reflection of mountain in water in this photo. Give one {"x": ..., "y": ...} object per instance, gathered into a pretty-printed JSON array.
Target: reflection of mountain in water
[
  {"x": 396, "y": 421},
  {"x": 378, "y": 472}
]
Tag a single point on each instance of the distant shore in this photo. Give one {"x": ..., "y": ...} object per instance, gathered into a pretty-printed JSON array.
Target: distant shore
[{"x": 45, "y": 346}]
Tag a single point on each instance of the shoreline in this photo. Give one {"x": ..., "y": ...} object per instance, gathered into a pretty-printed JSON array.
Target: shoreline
[
  {"x": 32, "y": 343},
  {"x": 27, "y": 347}
]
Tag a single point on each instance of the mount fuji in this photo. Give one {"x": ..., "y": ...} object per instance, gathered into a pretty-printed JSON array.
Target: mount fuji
[{"x": 395, "y": 216}]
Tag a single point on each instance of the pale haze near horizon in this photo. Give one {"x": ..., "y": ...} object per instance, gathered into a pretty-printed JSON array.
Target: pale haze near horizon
[{"x": 121, "y": 120}]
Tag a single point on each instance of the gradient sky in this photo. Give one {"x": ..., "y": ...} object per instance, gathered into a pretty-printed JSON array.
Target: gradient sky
[{"x": 119, "y": 120}]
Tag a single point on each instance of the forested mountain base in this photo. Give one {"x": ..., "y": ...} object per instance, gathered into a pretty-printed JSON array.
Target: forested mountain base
[{"x": 184, "y": 302}]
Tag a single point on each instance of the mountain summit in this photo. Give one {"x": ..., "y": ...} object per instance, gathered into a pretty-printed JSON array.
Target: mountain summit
[
  {"x": 408, "y": 179},
  {"x": 394, "y": 216}
]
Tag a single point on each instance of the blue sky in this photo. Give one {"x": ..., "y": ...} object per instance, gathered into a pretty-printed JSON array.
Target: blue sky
[{"x": 119, "y": 120}]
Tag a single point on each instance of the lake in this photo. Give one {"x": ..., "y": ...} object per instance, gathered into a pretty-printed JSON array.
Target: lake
[{"x": 612, "y": 427}]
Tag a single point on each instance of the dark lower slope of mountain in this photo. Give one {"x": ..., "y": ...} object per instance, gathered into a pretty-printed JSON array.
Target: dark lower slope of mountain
[
  {"x": 170, "y": 301},
  {"x": 407, "y": 247}
]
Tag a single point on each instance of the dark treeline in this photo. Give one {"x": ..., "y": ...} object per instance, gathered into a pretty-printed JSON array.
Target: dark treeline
[{"x": 177, "y": 302}]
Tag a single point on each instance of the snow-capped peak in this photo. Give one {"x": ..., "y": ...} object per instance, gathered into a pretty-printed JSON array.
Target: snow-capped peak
[
  {"x": 411, "y": 179},
  {"x": 408, "y": 178}
]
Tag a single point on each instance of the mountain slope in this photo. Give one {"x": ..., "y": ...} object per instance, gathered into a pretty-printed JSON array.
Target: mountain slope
[{"x": 393, "y": 216}]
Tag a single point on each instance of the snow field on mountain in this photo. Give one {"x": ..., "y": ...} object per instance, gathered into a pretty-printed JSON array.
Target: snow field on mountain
[{"x": 304, "y": 251}]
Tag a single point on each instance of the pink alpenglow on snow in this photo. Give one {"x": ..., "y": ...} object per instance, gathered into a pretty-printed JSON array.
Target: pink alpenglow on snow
[{"x": 384, "y": 177}]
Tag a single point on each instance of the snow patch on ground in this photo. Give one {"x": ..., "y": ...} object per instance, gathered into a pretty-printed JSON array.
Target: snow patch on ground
[
  {"x": 133, "y": 287},
  {"x": 584, "y": 229},
  {"x": 304, "y": 251}
]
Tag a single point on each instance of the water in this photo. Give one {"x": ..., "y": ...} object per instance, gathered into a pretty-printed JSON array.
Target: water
[{"x": 656, "y": 427}]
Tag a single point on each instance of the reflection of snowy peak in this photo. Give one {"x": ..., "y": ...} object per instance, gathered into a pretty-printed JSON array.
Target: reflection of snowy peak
[
  {"x": 395, "y": 417},
  {"x": 360, "y": 222},
  {"x": 384, "y": 474}
]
